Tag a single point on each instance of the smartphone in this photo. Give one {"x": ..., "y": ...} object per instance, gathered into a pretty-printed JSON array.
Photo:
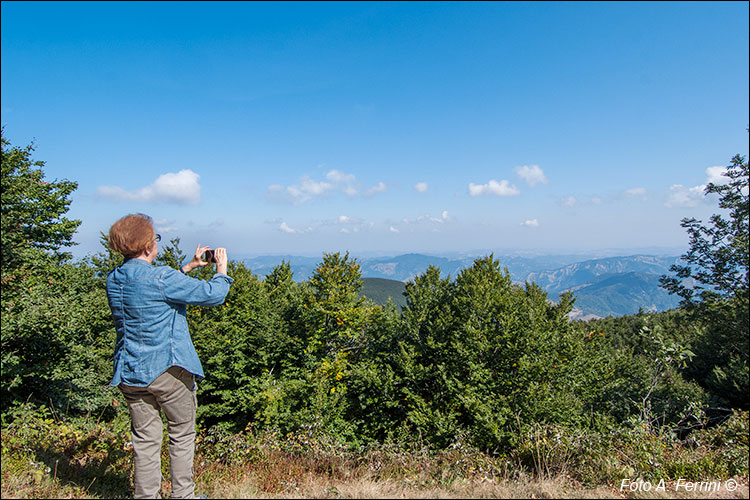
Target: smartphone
[{"x": 209, "y": 256}]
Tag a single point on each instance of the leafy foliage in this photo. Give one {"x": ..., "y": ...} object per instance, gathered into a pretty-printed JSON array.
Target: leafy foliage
[
  {"x": 718, "y": 255},
  {"x": 57, "y": 340},
  {"x": 717, "y": 263},
  {"x": 171, "y": 255},
  {"x": 33, "y": 224},
  {"x": 56, "y": 331}
]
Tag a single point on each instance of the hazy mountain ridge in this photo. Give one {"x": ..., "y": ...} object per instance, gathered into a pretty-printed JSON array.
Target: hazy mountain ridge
[
  {"x": 582, "y": 273},
  {"x": 623, "y": 293},
  {"x": 602, "y": 287}
]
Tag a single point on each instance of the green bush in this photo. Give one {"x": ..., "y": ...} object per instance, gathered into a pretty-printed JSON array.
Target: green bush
[
  {"x": 622, "y": 451},
  {"x": 57, "y": 340}
]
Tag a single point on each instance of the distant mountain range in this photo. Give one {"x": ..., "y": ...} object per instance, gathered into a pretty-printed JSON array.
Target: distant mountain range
[
  {"x": 623, "y": 293},
  {"x": 611, "y": 286}
]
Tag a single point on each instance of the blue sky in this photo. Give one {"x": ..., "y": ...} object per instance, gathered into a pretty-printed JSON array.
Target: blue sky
[{"x": 382, "y": 127}]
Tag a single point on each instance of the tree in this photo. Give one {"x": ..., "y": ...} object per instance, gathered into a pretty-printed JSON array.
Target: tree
[
  {"x": 240, "y": 347},
  {"x": 106, "y": 260},
  {"x": 718, "y": 257},
  {"x": 717, "y": 265},
  {"x": 33, "y": 209},
  {"x": 483, "y": 358},
  {"x": 171, "y": 255},
  {"x": 334, "y": 306},
  {"x": 56, "y": 331}
]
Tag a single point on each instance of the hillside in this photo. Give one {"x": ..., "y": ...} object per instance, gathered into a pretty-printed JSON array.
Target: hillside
[
  {"x": 624, "y": 293},
  {"x": 613, "y": 286},
  {"x": 574, "y": 276},
  {"x": 381, "y": 289}
]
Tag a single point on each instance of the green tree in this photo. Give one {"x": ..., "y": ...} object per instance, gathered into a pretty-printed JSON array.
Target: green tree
[
  {"x": 56, "y": 330},
  {"x": 283, "y": 291},
  {"x": 104, "y": 261},
  {"x": 34, "y": 225},
  {"x": 334, "y": 305},
  {"x": 57, "y": 341},
  {"x": 713, "y": 283},
  {"x": 287, "y": 297},
  {"x": 717, "y": 260},
  {"x": 645, "y": 357},
  {"x": 237, "y": 344},
  {"x": 170, "y": 255},
  {"x": 483, "y": 358}
]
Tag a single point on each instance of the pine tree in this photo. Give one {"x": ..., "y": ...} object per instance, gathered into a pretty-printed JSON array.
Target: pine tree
[{"x": 717, "y": 266}]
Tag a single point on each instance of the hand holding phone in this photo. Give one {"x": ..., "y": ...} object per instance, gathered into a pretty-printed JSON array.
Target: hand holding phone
[
  {"x": 209, "y": 256},
  {"x": 221, "y": 259}
]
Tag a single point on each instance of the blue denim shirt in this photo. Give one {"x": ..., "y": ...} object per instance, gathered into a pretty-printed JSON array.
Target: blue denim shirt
[{"x": 148, "y": 306}]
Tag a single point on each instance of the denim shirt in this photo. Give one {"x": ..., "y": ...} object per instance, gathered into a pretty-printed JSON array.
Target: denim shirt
[{"x": 148, "y": 306}]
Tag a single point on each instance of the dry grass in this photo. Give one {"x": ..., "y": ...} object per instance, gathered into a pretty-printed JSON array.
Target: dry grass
[
  {"x": 96, "y": 464},
  {"x": 272, "y": 480},
  {"x": 368, "y": 488},
  {"x": 281, "y": 475}
]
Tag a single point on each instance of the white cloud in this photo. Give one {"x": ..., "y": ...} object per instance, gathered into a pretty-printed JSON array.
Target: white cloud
[
  {"x": 378, "y": 188},
  {"x": 420, "y": 187},
  {"x": 343, "y": 182},
  {"x": 181, "y": 188},
  {"x": 165, "y": 226},
  {"x": 569, "y": 201},
  {"x": 428, "y": 220},
  {"x": 393, "y": 229},
  {"x": 531, "y": 223},
  {"x": 636, "y": 192},
  {"x": 349, "y": 224},
  {"x": 314, "y": 188},
  {"x": 532, "y": 174},
  {"x": 493, "y": 187},
  {"x": 716, "y": 175},
  {"x": 285, "y": 227},
  {"x": 307, "y": 188},
  {"x": 345, "y": 219},
  {"x": 340, "y": 177},
  {"x": 681, "y": 196}
]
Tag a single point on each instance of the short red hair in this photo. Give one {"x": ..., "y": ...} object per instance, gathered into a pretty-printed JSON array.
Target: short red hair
[{"x": 131, "y": 235}]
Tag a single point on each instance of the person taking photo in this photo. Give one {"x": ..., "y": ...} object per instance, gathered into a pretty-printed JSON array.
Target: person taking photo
[{"x": 155, "y": 362}]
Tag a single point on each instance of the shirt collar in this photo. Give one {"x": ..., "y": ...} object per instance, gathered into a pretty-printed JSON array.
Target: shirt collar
[{"x": 133, "y": 260}]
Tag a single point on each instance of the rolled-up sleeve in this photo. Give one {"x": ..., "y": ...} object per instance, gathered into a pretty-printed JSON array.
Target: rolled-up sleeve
[{"x": 182, "y": 289}]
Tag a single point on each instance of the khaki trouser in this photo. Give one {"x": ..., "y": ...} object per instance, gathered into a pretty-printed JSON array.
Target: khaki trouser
[{"x": 174, "y": 392}]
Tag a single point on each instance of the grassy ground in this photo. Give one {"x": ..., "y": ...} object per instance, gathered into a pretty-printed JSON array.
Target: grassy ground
[
  {"x": 251, "y": 482},
  {"x": 45, "y": 457},
  {"x": 282, "y": 475},
  {"x": 553, "y": 488}
]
